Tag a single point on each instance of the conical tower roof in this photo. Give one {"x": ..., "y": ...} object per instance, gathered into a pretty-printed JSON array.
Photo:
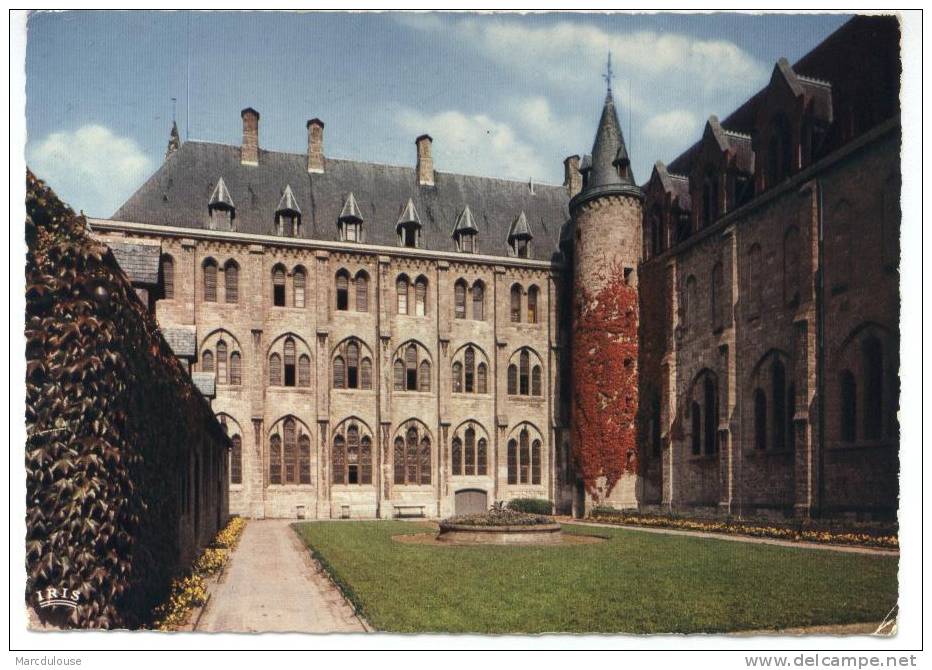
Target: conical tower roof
[
  {"x": 221, "y": 197},
  {"x": 287, "y": 203},
  {"x": 609, "y": 143},
  {"x": 610, "y": 167},
  {"x": 350, "y": 211}
]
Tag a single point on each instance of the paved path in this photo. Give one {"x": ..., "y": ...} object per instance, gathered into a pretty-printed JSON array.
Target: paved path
[
  {"x": 851, "y": 549},
  {"x": 271, "y": 585}
]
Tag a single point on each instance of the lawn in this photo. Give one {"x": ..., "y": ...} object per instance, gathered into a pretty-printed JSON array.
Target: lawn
[{"x": 635, "y": 582}]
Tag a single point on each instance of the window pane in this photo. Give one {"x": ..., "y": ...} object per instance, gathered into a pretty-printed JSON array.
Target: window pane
[
  {"x": 290, "y": 453},
  {"x": 365, "y": 374},
  {"x": 516, "y": 304},
  {"x": 457, "y": 377},
  {"x": 525, "y": 360},
  {"x": 362, "y": 293},
  {"x": 424, "y": 464},
  {"x": 339, "y": 460},
  {"x": 231, "y": 282},
  {"x": 168, "y": 277},
  {"x": 236, "y": 368},
  {"x": 459, "y": 300},
  {"x": 299, "y": 284},
  {"x": 342, "y": 291},
  {"x": 398, "y": 459},
  {"x": 512, "y": 462},
  {"x": 478, "y": 301},
  {"x": 456, "y": 456},
  {"x": 482, "y": 457},
  {"x": 524, "y": 459},
  {"x": 535, "y": 381},
  {"x": 470, "y": 370},
  {"x": 470, "y": 453},
  {"x": 401, "y": 289},
  {"x": 423, "y": 377},
  {"x": 513, "y": 379},
  {"x": 207, "y": 361},
  {"x": 304, "y": 370},
  {"x": 365, "y": 461},
  {"x": 221, "y": 362},
  {"x": 278, "y": 287},
  {"x": 399, "y": 375},
  {"x": 210, "y": 282},
  {"x": 535, "y": 462},
  {"x": 339, "y": 373},
  {"x": 275, "y": 370},
  {"x": 482, "y": 383},
  {"x": 420, "y": 298},
  {"x": 532, "y": 305},
  {"x": 275, "y": 460},
  {"x": 236, "y": 460},
  {"x": 304, "y": 454}
]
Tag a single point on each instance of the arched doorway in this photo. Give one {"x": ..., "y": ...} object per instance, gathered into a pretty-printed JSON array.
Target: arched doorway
[{"x": 471, "y": 501}]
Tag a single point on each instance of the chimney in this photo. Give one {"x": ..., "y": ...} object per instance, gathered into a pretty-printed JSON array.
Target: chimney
[
  {"x": 572, "y": 178},
  {"x": 249, "y": 153},
  {"x": 425, "y": 163},
  {"x": 315, "y": 146}
]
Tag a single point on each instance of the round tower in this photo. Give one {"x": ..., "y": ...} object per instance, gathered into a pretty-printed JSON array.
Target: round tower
[{"x": 606, "y": 217}]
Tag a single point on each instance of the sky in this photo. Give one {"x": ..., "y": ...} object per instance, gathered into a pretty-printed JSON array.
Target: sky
[{"x": 503, "y": 95}]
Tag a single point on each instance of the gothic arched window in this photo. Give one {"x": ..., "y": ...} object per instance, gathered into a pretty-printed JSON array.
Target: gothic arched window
[
  {"x": 231, "y": 282},
  {"x": 299, "y": 282},
  {"x": 210, "y": 280}
]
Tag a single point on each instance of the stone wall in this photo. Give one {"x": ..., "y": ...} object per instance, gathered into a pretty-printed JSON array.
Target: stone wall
[
  {"x": 771, "y": 310},
  {"x": 255, "y": 409}
]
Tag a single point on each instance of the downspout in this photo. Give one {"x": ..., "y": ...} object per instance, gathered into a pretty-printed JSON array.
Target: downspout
[{"x": 820, "y": 345}]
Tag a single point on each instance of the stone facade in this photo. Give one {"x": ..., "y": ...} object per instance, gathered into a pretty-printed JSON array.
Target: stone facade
[
  {"x": 255, "y": 328},
  {"x": 762, "y": 263}
]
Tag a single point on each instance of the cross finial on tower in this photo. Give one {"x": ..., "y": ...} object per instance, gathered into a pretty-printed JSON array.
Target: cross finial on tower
[{"x": 609, "y": 75}]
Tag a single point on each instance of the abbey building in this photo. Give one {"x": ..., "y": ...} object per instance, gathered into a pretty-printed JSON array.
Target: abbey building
[{"x": 383, "y": 341}]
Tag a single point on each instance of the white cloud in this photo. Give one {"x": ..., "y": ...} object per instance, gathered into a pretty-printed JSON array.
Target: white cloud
[
  {"x": 474, "y": 144},
  {"x": 91, "y": 168},
  {"x": 671, "y": 126},
  {"x": 659, "y": 65}
]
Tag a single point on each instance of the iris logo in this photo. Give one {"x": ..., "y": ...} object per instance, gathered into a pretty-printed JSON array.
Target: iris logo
[{"x": 52, "y": 597}]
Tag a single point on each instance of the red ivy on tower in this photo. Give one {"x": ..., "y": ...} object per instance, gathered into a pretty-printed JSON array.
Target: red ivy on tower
[{"x": 605, "y": 383}]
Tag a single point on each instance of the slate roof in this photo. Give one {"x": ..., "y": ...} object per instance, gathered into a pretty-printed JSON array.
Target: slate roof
[
  {"x": 182, "y": 340},
  {"x": 140, "y": 262},
  {"x": 205, "y": 383},
  {"x": 179, "y": 191}
]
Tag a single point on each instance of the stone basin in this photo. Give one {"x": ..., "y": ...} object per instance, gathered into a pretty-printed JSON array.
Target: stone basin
[{"x": 549, "y": 533}]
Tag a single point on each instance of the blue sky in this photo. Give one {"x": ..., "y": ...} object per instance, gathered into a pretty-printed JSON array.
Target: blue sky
[{"x": 502, "y": 95}]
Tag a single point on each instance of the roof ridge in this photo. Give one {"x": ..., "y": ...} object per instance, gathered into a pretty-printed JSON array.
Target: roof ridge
[{"x": 813, "y": 80}]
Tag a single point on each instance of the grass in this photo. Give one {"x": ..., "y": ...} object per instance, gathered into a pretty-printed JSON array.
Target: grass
[{"x": 633, "y": 583}]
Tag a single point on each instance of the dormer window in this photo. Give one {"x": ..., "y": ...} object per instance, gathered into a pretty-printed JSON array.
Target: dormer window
[
  {"x": 350, "y": 221},
  {"x": 519, "y": 237},
  {"x": 288, "y": 215},
  {"x": 220, "y": 207},
  {"x": 465, "y": 231},
  {"x": 408, "y": 227}
]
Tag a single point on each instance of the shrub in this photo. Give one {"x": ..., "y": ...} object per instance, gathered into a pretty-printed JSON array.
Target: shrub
[
  {"x": 531, "y": 505},
  {"x": 497, "y": 517}
]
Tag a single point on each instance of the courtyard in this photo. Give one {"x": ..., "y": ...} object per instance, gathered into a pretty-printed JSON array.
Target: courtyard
[{"x": 633, "y": 582}]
